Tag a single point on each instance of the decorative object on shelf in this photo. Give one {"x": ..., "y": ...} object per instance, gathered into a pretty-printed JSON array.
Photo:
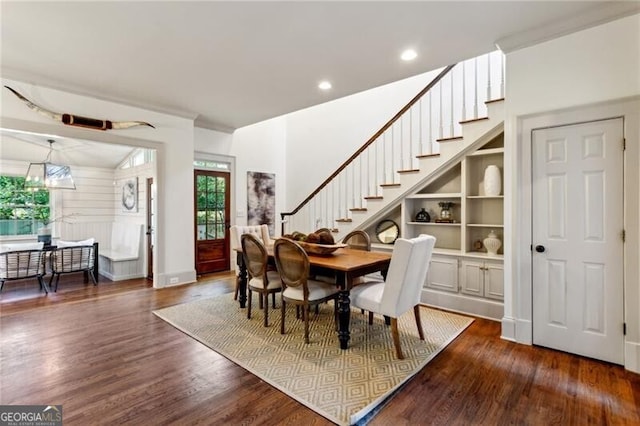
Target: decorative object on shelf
[
  {"x": 492, "y": 243},
  {"x": 387, "y": 231},
  {"x": 77, "y": 120},
  {"x": 492, "y": 181},
  {"x": 477, "y": 245},
  {"x": 423, "y": 216},
  {"x": 445, "y": 212}
]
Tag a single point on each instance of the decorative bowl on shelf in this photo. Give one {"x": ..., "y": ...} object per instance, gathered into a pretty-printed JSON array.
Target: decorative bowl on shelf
[{"x": 320, "y": 249}]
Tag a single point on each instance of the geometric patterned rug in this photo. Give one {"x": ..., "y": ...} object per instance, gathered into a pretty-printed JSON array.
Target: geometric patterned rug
[{"x": 345, "y": 386}]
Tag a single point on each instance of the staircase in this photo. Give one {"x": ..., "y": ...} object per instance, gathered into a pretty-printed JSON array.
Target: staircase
[{"x": 461, "y": 109}]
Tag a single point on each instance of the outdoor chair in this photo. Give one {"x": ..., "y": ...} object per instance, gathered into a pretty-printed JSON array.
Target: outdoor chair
[
  {"x": 21, "y": 264},
  {"x": 66, "y": 260}
]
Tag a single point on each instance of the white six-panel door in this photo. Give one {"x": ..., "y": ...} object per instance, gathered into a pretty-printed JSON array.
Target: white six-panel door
[{"x": 577, "y": 239}]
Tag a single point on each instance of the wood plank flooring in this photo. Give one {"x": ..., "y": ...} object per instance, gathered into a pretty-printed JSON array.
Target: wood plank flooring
[{"x": 102, "y": 354}]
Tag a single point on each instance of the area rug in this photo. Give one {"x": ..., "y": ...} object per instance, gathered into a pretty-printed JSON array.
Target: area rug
[{"x": 345, "y": 386}]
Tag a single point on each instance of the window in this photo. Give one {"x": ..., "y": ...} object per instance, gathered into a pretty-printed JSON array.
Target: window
[
  {"x": 22, "y": 212},
  {"x": 138, "y": 157}
]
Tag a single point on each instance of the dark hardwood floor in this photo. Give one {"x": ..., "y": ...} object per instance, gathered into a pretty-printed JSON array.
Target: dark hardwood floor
[{"x": 102, "y": 354}]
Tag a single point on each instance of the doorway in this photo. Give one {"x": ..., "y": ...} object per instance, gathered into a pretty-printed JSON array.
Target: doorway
[
  {"x": 212, "y": 221},
  {"x": 151, "y": 214},
  {"x": 577, "y": 238}
]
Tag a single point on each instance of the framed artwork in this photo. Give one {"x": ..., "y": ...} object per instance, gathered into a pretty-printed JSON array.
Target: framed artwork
[
  {"x": 129, "y": 198},
  {"x": 261, "y": 199}
]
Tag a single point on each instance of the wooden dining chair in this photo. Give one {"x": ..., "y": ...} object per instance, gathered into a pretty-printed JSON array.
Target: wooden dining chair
[
  {"x": 358, "y": 240},
  {"x": 261, "y": 279},
  {"x": 402, "y": 287},
  {"x": 236, "y": 232},
  {"x": 292, "y": 263}
]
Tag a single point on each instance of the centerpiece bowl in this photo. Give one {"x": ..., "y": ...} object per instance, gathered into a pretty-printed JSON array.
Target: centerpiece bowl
[{"x": 320, "y": 249}]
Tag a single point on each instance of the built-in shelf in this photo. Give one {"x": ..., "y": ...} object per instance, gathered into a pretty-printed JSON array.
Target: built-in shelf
[
  {"x": 434, "y": 224},
  {"x": 447, "y": 252},
  {"x": 483, "y": 255},
  {"x": 485, "y": 225},
  {"x": 435, "y": 196},
  {"x": 485, "y": 197},
  {"x": 489, "y": 151}
]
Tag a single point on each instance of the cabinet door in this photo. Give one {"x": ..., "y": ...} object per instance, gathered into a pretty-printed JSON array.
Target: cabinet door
[
  {"x": 443, "y": 273},
  {"x": 494, "y": 280},
  {"x": 472, "y": 278}
]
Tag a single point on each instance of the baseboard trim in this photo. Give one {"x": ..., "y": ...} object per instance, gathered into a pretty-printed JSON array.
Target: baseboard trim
[
  {"x": 524, "y": 331},
  {"x": 508, "y": 329},
  {"x": 175, "y": 278},
  {"x": 481, "y": 308},
  {"x": 632, "y": 356}
]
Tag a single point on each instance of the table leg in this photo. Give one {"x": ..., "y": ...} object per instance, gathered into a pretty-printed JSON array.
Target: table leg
[
  {"x": 242, "y": 276},
  {"x": 344, "y": 316}
]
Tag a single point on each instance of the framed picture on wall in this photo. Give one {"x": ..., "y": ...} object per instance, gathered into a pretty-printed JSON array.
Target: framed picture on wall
[
  {"x": 261, "y": 199},
  {"x": 129, "y": 198}
]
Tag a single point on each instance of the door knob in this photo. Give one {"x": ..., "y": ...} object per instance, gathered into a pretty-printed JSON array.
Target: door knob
[{"x": 540, "y": 249}]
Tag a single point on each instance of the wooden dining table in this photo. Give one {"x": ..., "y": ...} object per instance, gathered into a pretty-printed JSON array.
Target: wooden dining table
[{"x": 347, "y": 264}]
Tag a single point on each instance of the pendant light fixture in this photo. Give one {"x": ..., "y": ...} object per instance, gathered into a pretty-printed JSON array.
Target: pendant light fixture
[{"x": 46, "y": 175}]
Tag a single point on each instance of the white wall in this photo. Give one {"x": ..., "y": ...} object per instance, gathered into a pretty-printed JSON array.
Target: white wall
[
  {"x": 321, "y": 138},
  {"x": 173, "y": 138},
  {"x": 598, "y": 65},
  {"x": 260, "y": 147}
]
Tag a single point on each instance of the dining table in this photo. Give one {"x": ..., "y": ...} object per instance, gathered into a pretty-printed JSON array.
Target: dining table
[{"x": 345, "y": 263}]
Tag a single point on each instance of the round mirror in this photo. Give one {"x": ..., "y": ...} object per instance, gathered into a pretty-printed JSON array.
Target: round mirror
[{"x": 387, "y": 231}]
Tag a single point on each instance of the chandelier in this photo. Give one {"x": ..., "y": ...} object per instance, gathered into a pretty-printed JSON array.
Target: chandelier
[{"x": 46, "y": 175}]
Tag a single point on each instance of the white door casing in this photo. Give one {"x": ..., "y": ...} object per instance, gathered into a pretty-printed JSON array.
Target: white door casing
[{"x": 577, "y": 209}]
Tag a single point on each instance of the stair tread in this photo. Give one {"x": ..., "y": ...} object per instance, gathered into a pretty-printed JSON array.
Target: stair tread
[
  {"x": 387, "y": 185},
  {"x": 358, "y": 209},
  {"x": 473, "y": 120},
  {"x": 427, "y": 155},
  {"x": 494, "y": 100},
  {"x": 451, "y": 139},
  {"x": 409, "y": 171},
  {"x": 344, "y": 220},
  {"x": 373, "y": 197}
]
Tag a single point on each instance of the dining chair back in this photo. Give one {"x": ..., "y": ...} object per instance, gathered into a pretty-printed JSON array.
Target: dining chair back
[
  {"x": 402, "y": 287},
  {"x": 237, "y": 231},
  {"x": 72, "y": 259},
  {"x": 21, "y": 264},
  {"x": 261, "y": 279},
  {"x": 407, "y": 274},
  {"x": 358, "y": 240},
  {"x": 292, "y": 263}
]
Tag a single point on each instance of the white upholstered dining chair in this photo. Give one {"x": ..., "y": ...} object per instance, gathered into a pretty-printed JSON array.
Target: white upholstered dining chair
[{"x": 401, "y": 290}]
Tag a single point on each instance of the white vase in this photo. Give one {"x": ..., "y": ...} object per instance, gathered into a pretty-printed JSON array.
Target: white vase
[
  {"x": 492, "y": 181},
  {"x": 492, "y": 243}
]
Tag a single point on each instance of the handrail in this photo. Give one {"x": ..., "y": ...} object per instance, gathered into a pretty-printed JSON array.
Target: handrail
[{"x": 344, "y": 165}]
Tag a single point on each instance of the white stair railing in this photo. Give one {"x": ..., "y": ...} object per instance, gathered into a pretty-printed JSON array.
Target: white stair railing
[{"x": 459, "y": 94}]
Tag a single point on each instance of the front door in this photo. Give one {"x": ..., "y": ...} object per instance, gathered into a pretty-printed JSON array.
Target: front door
[
  {"x": 577, "y": 251},
  {"x": 212, "y": 221}
]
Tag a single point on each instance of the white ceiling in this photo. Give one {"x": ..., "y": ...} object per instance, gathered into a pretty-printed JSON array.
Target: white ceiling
[{"x": 231, "y": 64}]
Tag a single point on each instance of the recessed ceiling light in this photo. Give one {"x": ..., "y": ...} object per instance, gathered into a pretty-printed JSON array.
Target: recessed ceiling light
[
  {"x": 324, "y": 85},
  {"x": 409, "y": 55}
]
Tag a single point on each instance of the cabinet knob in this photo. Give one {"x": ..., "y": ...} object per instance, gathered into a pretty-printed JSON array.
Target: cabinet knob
[{"x": 540, "y": 249}]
